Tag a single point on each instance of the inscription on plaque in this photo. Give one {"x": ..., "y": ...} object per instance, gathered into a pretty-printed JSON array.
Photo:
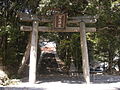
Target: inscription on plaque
[{"x": 60, "y": 21}]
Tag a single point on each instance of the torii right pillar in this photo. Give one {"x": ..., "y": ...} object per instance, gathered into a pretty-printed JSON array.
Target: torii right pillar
[{"x": 85, "y": 60}]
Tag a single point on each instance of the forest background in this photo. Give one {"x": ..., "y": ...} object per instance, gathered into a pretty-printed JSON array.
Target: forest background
[{"x": 103, "y": 45}]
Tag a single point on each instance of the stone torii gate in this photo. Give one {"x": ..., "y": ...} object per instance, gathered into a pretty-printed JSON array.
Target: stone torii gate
[{"x": 60, "y": 22}]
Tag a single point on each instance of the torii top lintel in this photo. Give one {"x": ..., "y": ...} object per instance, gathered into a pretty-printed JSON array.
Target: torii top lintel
[{"x": 29, "y": 18}]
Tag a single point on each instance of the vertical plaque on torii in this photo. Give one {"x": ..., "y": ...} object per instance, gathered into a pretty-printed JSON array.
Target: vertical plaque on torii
[{"x": 59, "y": 21}]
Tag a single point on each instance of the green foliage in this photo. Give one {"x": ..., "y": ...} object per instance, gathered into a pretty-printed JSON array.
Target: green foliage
[
  {"x": 77, "y": 7},
  {"x": 102, "y": 45}
]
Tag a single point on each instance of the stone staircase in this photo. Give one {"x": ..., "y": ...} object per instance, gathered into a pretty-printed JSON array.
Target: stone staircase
[{"x": 49, "y": 63}]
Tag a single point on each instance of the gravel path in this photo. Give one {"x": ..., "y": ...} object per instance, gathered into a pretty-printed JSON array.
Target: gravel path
[{"x": 98, "y": 82}]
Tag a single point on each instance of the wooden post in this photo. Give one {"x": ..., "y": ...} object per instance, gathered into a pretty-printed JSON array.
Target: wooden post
[
  {"x": 33, "y": 53},
  {"x": 85, "y": 60},
  {"x": 25, "y": 57}
]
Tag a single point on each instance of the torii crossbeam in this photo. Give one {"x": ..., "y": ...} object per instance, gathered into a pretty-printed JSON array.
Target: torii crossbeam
[{"x": 59, "y": 27}]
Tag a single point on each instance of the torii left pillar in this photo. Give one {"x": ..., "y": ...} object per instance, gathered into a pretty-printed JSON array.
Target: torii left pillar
[{"x": 33, "y": 53}]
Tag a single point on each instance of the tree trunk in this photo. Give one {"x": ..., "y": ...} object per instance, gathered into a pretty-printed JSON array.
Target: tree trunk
[
  {"x": 4, "y": 46},
  {"x": 119, "y": 64},
  {"x": 110, "y": 62},
  {"x": 1, "y": 40}
]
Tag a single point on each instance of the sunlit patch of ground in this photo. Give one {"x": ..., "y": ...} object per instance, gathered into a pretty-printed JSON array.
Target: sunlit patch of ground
[{"x": 98, "y": 82}]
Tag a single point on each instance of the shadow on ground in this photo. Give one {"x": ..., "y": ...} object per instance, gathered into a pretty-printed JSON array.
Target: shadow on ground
[
  {"x": 63, "y": 79},
  {"x": 95, "y": 79}
]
